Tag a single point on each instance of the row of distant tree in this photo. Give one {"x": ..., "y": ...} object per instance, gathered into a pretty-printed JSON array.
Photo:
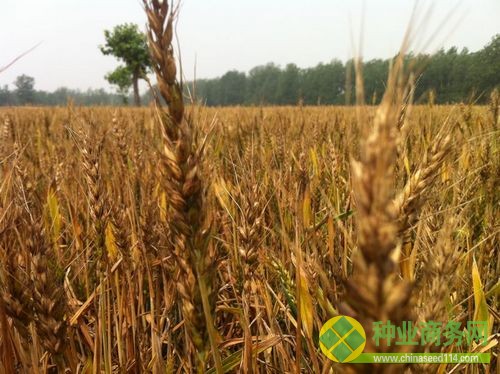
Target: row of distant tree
[
  {"x": 24, "y": 93},
  {"x": 451, "y": 75}
]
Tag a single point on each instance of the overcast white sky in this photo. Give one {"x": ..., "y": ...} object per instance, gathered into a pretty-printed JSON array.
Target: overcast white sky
[{"x": 221, "y": 35}]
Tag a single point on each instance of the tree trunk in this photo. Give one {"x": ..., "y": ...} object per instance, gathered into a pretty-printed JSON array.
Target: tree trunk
[{"x": 135, "y": 82}]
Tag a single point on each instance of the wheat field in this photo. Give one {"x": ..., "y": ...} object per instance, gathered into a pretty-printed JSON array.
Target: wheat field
[
  {"x": 89, "y": 269},
  {"x": 182, "y": 238}
]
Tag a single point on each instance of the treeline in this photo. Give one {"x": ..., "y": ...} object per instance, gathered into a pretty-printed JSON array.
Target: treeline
[
  {"x": 60, "y": 96},
  {"x": 451, "y": 76}
]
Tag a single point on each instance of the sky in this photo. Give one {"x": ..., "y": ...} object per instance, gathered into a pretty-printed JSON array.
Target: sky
[{"x": 221, "y": 35}]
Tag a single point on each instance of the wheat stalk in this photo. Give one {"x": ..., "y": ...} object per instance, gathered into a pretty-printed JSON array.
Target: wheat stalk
[
  {"x": 374, "y": 292},
  {"x": 189, "y": 223}
]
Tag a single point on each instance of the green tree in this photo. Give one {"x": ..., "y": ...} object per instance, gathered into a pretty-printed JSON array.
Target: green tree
[
  {"x": 25, "y": 89},
  {"x": 7, "y": 97},
  {"x": 289, "y": 85},
  {"x": 263, "y": 84},
  {"x": 129, "y": 45},
  {"x": 325, "y": 83},
  {"x": 487, "y": 63},
  {"x": 375, "y": 73},
  {"x": 122, "y": 78},
  {"x": 232, "y": 87}
]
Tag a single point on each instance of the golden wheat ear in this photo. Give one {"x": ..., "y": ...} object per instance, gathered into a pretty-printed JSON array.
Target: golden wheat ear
[
  {"x": 189, "y": 222},
  {"x": 374, "y": 291}
]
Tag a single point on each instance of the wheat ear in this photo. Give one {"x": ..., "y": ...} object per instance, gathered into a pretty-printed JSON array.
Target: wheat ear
[{"x": 181, "y": 159}]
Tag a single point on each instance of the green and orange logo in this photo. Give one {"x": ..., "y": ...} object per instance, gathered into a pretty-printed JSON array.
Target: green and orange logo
[{"x": 342, "y": 339}]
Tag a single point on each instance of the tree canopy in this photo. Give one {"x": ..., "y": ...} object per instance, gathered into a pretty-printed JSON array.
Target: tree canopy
[
  {"x": 25, "y": 89},
  {"x": 129, "y": 45}
]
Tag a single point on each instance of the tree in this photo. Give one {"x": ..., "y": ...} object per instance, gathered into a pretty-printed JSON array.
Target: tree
[
  {"x": 232, "y": 87},
  {"x": 488, "y": 61},
  {"x": 289, "y": 85},
  {"x": 129, "y": 45},
  {"x": 7, "y": 97},
  {"x": 122, "y": 78},
  {"x": 263, "y": 84},
  {"x": 375, "y": 73},
  {"x": 25, "y": 89}
]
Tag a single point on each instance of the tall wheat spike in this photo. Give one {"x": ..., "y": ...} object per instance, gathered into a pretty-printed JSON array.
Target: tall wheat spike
[
  {"x": 374, "y": 292},
  {"x": 181, "y": 158}
]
